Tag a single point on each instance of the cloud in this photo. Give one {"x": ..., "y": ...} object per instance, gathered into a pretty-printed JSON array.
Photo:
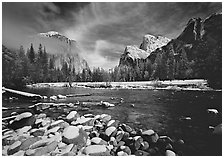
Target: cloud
[{"x": 102, "y": 30}]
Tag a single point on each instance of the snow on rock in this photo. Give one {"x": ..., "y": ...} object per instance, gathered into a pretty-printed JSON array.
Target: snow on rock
[{"x": 151, "y": 43}]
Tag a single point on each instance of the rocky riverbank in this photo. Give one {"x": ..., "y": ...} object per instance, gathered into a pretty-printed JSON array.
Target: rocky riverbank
[{"x": 33, "y": 133}]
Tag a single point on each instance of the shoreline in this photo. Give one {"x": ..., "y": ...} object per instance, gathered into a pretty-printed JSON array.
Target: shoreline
[{"x": 178, "y": 85}]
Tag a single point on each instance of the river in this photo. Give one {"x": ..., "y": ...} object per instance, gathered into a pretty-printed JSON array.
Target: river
[{"x": 159, "y": 110}]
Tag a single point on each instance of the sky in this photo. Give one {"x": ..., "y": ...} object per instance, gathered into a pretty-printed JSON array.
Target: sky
[{"x": 102, "y": 30}]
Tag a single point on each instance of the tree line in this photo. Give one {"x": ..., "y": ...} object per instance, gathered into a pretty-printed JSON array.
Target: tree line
[
  {"x": 173, "y": 61},
  {"x": 20, "y": 68}
]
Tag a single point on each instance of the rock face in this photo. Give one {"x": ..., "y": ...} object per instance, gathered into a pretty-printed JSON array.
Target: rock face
[
  {"x": 132, "y": 53},
  {"x": 196, "y": 51},
  {"x": 64, "y": 50},
  {"x": 150, "y": 43}
]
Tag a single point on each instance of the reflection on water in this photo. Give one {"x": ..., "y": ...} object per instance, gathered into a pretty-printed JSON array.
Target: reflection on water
[{"x": 159, "y": 110}]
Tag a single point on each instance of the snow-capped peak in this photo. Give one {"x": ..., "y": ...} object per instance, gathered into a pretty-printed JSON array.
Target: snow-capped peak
[
  {"x": 50, "y": 33},
  {"x": 57, "y": 35},
  {"x": 151, "y": 42}
]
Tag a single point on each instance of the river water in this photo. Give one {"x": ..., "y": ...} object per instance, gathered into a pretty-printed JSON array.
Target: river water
[{"x": 159, "y": 110}]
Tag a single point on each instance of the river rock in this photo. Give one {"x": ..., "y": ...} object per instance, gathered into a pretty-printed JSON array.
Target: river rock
[
  {"x": 104, "y": 136},
  {"x": 38, "y": 132},
  {"x": 119, "y": 135},
  {"x": 45, "y": 150},
  {"x": 152, "y": 138},
  {"x": 14, "y": 148},
  {"x": 72, "y": 116},
  {"x": 93, "y": 134},
  {"x": 145, "y": 146},
  {"x": 122, "y": 153},
  {"x": 86, "y": 128},
  {"x": 74, "y": 135},
  {"x": 126, "y": 149},
  {"x": 105, "y": 117},
  {"x": 61, "y": 145},
  {"x": 41, "y": 116},
  {"x": 29, "y": 152},
  {"x": 142, "y": 153},
  {"x": 98, "y": 141},
  {"x": 112, "y": 141},
  {"x": 53, "y": 97},
  {"x": 170, "y": 153},
  {"x": 67, "y": 148},
  {"x": 138, "y": 142},
  {"x": 23, "y": 119},
  {"x": 121, "y": 143},
  {"x": 126, "y": 128},
  {"x": 28, "y": 142},
  {"x": 25, "y": 129},
  {"x": 114, "y": 123},
  {"x": 148, "y": 132},
  {"x": 69, "y": 154},
  {"x": 53, "y": 130},
  {"x": 169, "y": 147},
  {"x": 19, "y": 153},
  {"x": 59, "y": 96},
  {"x": 82, "y": 121},
  {"x": 125, "y": 136},
  {"x": 110, "y": 131},
  {"x": 96, "y": 150}
]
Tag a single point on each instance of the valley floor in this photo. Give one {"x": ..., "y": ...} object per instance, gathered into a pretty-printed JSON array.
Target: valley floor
[{"x": 195, "y": 84}]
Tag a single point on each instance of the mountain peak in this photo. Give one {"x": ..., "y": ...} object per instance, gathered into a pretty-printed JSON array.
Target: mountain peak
[
  {"x": 56, "y": 35},
  {"x": 151, "y": 42},
  {"x": 50, "y": 33}
]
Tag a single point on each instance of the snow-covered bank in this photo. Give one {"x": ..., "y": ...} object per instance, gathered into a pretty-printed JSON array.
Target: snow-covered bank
[{"x": 193, "y": 85}]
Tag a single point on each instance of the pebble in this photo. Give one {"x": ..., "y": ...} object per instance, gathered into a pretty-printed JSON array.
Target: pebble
[
  {"x": 71, "y": 116},
  {"x": 96, "y": 150},
  {"x": 19, "y": 153},
  {"x": 74, "y": 135},
  {"x": 126, "y": 128},
  {"x": 23, "y": 130},
  {"x": 105, "y": 117},
  {"x": 14, "y": 148},
  {"x": 110, "y": 130},
  {"x": 44, "y": 150},
  {"x": 170, "y": 153},
  {"x": 148, "y": 132},
  {"x": 38, "y": 132},
  {"x": 53, "y": 130},
  {"x": 122, "y": 153},
  {"x": 28, "y": 142},
  {"x": 23, "y": 115},
  {"x": 81, "y": 121},
  {"x": 141, "y": 153},
  {"x": 98, "y": 141}
]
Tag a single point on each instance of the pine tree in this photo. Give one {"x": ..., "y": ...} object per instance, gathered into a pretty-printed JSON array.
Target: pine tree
[{"x": 31, "y": 54}]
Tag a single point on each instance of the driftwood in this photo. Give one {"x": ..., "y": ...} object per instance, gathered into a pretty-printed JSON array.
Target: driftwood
[{"x": 22, "y": 94}]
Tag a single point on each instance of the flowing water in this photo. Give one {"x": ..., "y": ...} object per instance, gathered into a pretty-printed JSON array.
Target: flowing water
[{"x": 159, "y": 110}]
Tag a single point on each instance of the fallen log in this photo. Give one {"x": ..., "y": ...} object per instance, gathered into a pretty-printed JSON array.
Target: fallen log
[{"x": 22, "y": 94}]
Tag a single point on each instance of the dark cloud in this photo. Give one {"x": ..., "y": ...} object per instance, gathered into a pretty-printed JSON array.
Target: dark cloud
[{"x": 102, "y": 29}]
